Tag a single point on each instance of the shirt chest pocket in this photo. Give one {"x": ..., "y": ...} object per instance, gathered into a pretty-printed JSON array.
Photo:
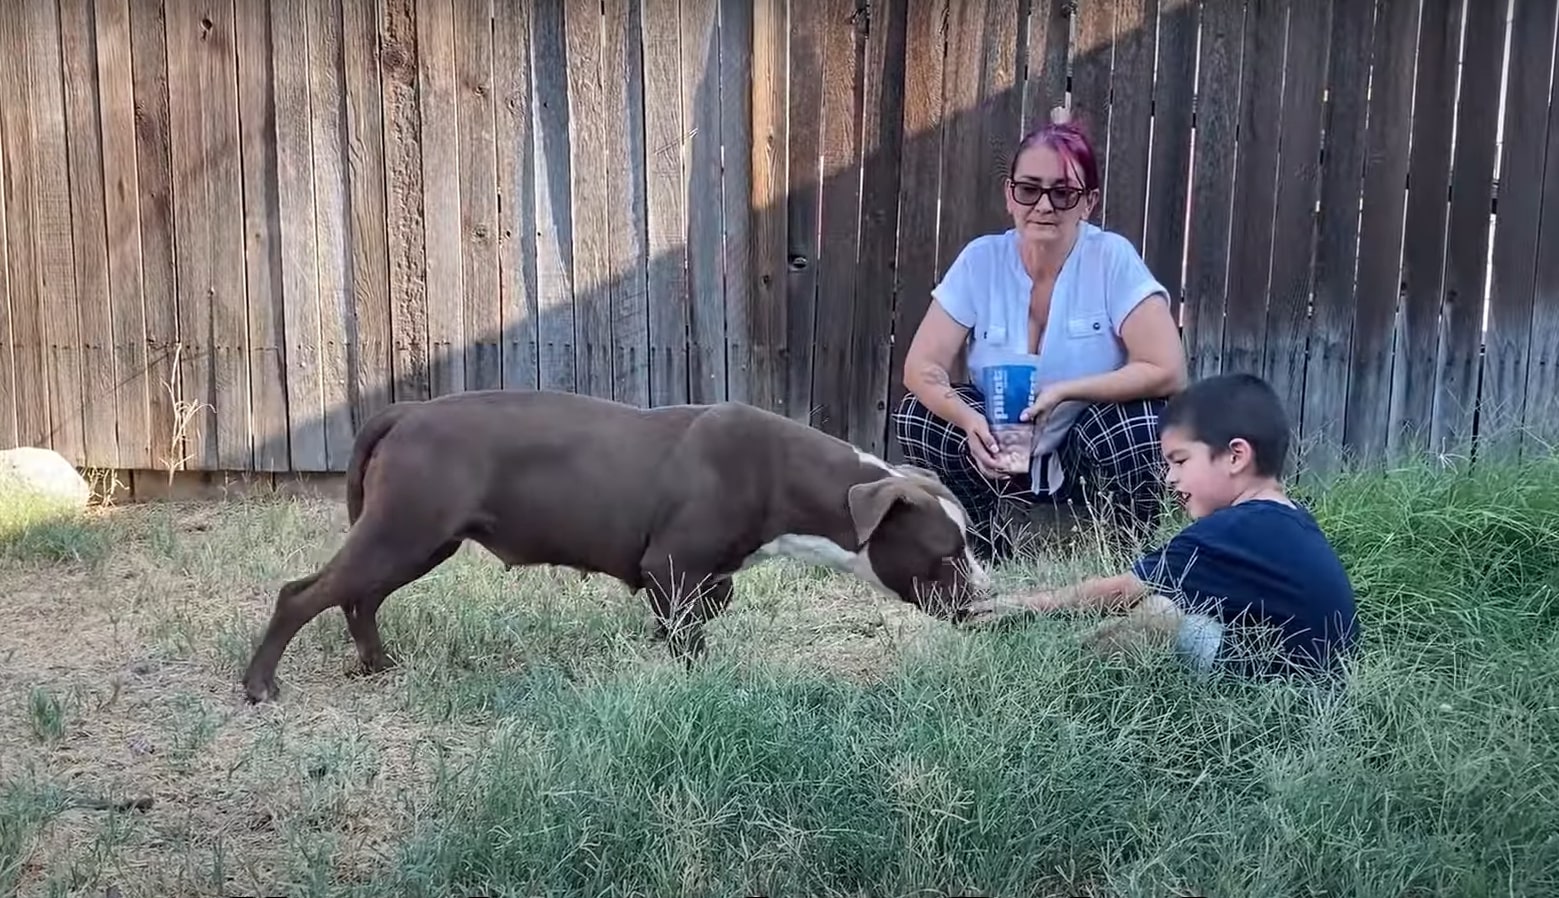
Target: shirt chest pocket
[
  {"x": 1088, "y": 325},
  {"x": 994, "y": 334}
]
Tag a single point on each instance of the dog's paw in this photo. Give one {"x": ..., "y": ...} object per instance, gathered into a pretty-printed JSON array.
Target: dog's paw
[
  {"x": 375, "y": 663},
  {"x": 260, "y": 690}
]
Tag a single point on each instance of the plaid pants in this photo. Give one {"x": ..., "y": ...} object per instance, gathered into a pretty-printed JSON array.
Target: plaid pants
[{"x": 1110, "y": 456}]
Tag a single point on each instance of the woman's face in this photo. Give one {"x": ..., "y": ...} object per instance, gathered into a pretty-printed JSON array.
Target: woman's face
[{"x": 1041, "y": 217}]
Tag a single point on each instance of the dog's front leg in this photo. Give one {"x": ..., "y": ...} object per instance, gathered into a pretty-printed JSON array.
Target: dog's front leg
[{"x": 682, "y": 605}]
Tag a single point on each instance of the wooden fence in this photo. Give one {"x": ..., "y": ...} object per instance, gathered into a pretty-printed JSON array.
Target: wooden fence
[{"x": 232, "y": 230}]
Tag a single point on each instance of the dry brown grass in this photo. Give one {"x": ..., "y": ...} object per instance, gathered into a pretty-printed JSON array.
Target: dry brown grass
[{"x": 121, "y": 640}]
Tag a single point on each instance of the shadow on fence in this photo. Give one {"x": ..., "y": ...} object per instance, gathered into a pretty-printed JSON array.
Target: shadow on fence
[{"x": 812, "y": 329}]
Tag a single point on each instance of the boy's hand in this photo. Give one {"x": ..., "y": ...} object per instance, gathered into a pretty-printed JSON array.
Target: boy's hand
[{"x": 991, "y": 610}]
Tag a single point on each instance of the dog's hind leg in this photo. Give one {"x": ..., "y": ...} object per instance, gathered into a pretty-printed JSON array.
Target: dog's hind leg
[
  {"x": 362, "y": 615},
  {"x": 375, "y": 560}
]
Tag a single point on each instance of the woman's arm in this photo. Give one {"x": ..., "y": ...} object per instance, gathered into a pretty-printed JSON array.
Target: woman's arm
[
  {"x": 931, "y": 353},
  {"x": 1155, "y": 359}
]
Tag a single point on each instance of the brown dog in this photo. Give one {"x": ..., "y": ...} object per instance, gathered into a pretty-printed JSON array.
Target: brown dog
[{"x": 673, "y": 499}]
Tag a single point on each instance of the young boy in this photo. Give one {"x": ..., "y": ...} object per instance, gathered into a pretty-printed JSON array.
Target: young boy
[{"x": 1253, "y": 569}]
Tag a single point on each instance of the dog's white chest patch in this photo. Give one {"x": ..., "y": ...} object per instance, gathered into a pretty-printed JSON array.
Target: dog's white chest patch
[{"x": 819, "y": 550}]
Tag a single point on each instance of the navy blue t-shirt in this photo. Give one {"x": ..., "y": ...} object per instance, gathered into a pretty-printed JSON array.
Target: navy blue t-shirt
[{"x": 1265, "y": 563}]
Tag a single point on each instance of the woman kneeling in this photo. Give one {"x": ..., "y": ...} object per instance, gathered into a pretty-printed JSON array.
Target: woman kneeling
[{"x": 1075, "y": 305}]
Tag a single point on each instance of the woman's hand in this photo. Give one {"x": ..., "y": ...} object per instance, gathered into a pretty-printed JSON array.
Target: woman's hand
[
  {"x": 983, "y": 447},
  {"x": 1045, "y": 403}
]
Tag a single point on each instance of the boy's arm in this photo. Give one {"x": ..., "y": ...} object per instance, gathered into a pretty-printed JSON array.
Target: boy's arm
[
  {"x": 1116, "y": 593},
  {"x": 1109, "y": 594},
  {"x": 1157, "y": 572}
]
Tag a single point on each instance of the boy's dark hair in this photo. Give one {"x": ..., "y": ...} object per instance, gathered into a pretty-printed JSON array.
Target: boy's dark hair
[{"x": 1216, "y": 410}]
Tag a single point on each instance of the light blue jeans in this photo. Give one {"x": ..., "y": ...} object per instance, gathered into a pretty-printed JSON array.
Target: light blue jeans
[{"x": 1197, "y": 640}]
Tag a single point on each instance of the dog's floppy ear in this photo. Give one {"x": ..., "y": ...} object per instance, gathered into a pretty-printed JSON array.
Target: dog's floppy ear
[{"x": 870, "y": 502}]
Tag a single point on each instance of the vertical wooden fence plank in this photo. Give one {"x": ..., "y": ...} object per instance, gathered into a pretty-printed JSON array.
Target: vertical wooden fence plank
[
  {"x": 1467, "y": 246},
  {"x": 622, "y": 173},
  {"x": 1326, "y": 370},
  {"x": 965, "y": 197},
  {"x": 58, "y": 295},
  {"x": 23, "y": 253},
  {"x": 7, "y": 338},
  {"x": 1516, "y": 227},
  {"x": 701, "y": 108},
  {"x": 1294, "y": 222},
  {"x": 262, "y": 250},
  {"x": 516, "y": 194},
  {"x": 369, "y": 364},
  {"x": 1458, "y": 352},
  {"x": 1212, "y": 181},
  {"x": 841, "y": 215},
  {"x": 587, "y": 139},
  {"x": 1045, "y": 57},
  {"x": 337, "y": 321},
  {"x": 441, "y": 195},
  {"x": 404, "y": 215},
  {"x": 554, "y": 210},
  {"x": 736, "y": 134},
  {"x": 1091, "y": 61},
  {"x": 882, "y": 136},
  {"x": 290, "y": 23},
  {"x": 89, "y": 232},
  {"x": 154, "y": 175},
  {"x": 920, "y": 179},
  {"x": 665, "y": 133},
  {"x": 1540, "y": 423},
  {"x": 1000, "y": 111},
  {"x": 1423, "y": 245},
  {"x": 770, "y": 140},
  {"x": 803, "y": 203},
  {"x": 478, "y": 175},
  {"x": 193, "y": 234},
  {"x": 1131, "y": 117},
  {"x": 1380, "y": 231},
  {"x": 1255, "y": 192},
  {"x": 227, "y": 291},
  {"x": 1169, "y": 166}
]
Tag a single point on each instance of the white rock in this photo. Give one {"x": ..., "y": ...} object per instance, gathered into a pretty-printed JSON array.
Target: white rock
[{"x": 45, "y": 473}]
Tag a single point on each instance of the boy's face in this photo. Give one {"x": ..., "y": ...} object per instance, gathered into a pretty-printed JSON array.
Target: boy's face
[{"x": 1204, "y": 481}]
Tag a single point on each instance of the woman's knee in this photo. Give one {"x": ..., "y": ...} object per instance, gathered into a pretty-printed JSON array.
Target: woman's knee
[
  {"x": 925, "y": 437},
  {"x": 1121, "y": 439}
]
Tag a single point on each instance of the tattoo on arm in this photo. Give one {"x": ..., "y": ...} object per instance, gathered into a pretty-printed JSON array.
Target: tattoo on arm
[{"x": 936, "y": 376}]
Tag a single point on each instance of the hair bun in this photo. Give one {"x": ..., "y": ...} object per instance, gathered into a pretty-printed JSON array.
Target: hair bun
[{"x": 1060, "y": 115}]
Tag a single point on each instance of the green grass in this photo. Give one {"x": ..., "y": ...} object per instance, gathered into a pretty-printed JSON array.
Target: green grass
[
  {"x": 535, "y": 742},
  {"x": 33, "y": 526}
]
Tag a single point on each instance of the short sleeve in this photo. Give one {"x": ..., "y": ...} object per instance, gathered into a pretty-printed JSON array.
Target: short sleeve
[
  {"x": 964, "y": 283},
  {"x": 1165, "y": 570},
  {"x": 1130, "y": 281}
]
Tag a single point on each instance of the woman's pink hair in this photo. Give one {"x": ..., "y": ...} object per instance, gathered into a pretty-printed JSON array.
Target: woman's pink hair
[{"x": 1067, "y": 139}]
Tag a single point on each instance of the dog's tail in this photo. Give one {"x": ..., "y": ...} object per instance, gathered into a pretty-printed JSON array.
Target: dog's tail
[{"x": 368, "y": 437}]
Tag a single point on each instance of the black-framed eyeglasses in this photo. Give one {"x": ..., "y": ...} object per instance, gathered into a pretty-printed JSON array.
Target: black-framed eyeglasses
[{"x": 1062, "y": 196}]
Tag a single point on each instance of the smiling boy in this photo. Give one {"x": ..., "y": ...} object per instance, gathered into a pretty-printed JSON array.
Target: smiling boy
[{"x": 1250, "y": 567}]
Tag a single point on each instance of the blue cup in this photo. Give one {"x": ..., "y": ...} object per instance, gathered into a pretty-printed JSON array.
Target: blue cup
[{"x": 1008, "y": 389}]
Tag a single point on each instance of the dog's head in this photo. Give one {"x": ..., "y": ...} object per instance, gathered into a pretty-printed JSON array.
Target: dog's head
[{"x": 914, "y": 541}]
